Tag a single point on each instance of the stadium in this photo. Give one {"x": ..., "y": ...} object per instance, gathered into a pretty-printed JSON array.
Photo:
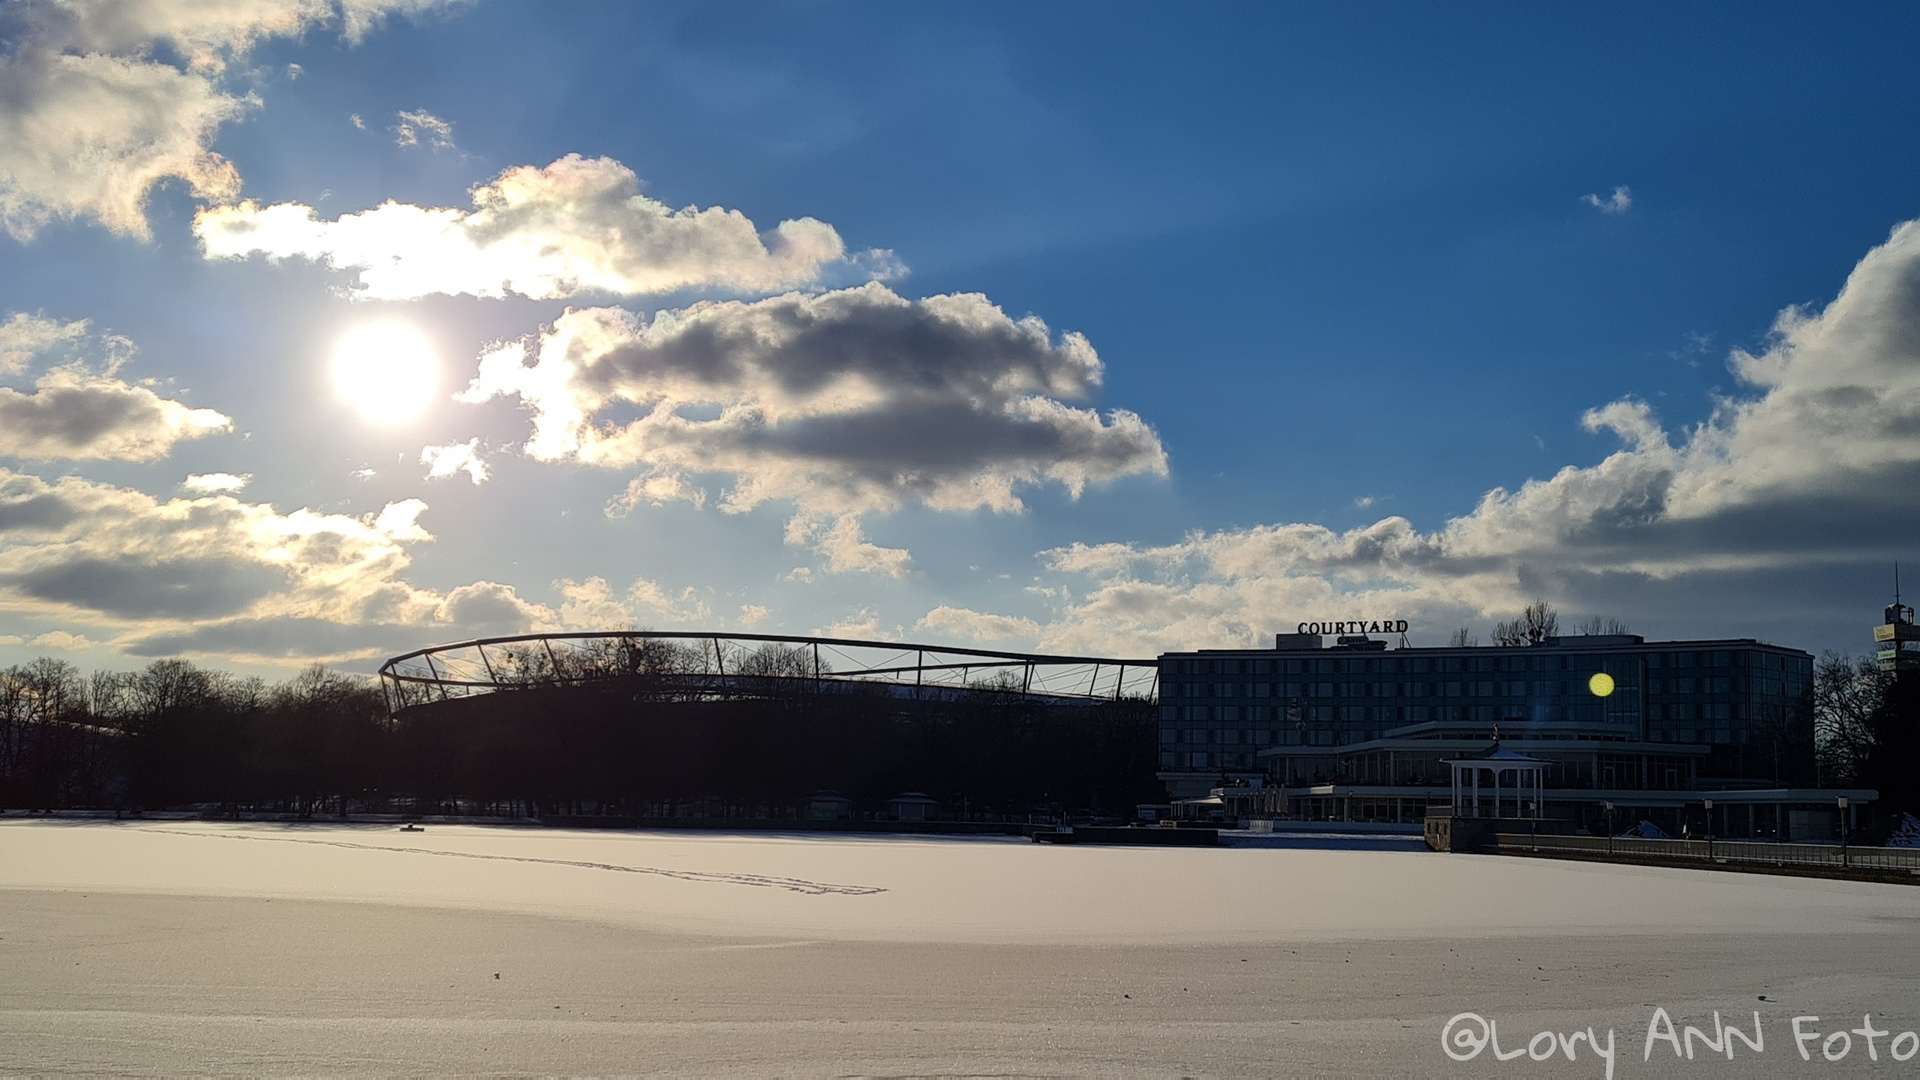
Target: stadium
[{"x": 642, "y": 725}]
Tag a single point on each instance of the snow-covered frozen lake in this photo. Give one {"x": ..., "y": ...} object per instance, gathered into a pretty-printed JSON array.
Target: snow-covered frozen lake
[{"x": 204, "y": 946}]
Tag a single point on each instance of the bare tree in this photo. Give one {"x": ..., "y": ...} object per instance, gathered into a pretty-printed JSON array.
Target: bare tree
[
  {"x": 1596, "y": 626},
  {"x": 1846, "y": 694},
  {"x": 775, "y": 659},
  {"x": 1536, "y": 623},
  {"x": 1463, "y": 638}
]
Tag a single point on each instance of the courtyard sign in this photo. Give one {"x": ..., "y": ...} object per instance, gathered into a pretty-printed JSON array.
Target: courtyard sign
[{"x": 1357, "y": 626}]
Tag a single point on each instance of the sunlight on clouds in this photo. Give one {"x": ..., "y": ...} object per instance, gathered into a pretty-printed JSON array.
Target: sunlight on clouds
[
  {"x": 576, "y": 226},
  {"x": 212, "y": 575},
  {"x": 61, "y": 639},
  {"x": 397, "y": 521},
  {"x": 862, "y": 626},
  {"x": 216, "y": 483},
  {"x": 75, "y": 415},
  {"x": 445, "y": 461},
  {"x": 846, "y": 549},
  {"x": 24, "y": 337},
  {"x": 656, "y": 489},
  {"x": 93, "y": 120},
  {"x": 79, "y": 409},
  {"x": 845, "y": 403},
  {"x": 975, "y": 626},
  {"x": 592, "y": 605}
]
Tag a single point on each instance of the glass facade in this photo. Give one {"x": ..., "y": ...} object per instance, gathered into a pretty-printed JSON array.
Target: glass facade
[{"x": 1747, "y": 703}]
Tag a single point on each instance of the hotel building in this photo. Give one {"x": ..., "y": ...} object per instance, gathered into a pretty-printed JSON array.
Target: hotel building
[{"x": 1691, "y": 735}]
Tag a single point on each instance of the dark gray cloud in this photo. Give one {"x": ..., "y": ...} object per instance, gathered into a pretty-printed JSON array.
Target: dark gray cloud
[
  {"x": 843, "y": 403},
  {"x": 285, "y": 638},
  {"x": 175, "y": 588},
  {"x": 75, "y": 415}
]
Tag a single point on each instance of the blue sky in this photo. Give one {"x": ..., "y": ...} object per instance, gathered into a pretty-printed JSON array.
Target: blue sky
[{"x": 1345, "y": 272}]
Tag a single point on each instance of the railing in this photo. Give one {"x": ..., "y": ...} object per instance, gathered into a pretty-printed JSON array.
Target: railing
[{"x": 1752, "y": 852}]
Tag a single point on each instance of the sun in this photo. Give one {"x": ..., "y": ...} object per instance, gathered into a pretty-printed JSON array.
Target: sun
[{"x": 387, "y": 371}]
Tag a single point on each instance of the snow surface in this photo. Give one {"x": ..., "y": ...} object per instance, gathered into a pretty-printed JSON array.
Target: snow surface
[
  {"x": 920, "y": 889},
  {"x": 203, "y": 948}
]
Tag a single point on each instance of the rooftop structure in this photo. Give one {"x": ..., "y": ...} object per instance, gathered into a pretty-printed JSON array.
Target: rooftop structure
[{"x": 1897, "y": 640}]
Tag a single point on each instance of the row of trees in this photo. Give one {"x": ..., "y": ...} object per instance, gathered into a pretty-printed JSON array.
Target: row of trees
[
  {"x": 176, "y": 733},
  {"x": 1536, "y": 623},
  {"x": 631, "y": 742}
]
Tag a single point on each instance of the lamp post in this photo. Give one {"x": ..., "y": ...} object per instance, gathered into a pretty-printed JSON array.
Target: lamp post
[
  {"x": 1845, "y": 833},
  {"x": 1709, "y": 803},
  {"x": 1609, "y": 828}
]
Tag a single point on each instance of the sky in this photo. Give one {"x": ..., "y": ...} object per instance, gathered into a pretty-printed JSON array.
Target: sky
[{"x": 333, "y": 329}]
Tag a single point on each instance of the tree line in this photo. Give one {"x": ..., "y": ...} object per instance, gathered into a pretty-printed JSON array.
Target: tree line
[{"x": 174, "y": 733}]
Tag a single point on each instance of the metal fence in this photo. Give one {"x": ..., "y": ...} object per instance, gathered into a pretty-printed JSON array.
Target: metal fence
[{"x": 1752, "y": 852}]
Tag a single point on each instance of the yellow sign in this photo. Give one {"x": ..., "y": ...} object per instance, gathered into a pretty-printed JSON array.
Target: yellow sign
[{"x": 1601, "y": 684}]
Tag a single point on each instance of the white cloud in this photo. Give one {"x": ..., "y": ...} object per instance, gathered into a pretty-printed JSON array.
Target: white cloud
[
  {"x": 91, "y": 120},
  {"x": 846, "y": 548},
  {"x": 422, "y": 128},
  {"x": 60, "y": 639},
  {"x": 24, "y": 337},
  {"x": 445, "y": 461},
  {"x": 73, "y": 414},
  {"x": 864, "y": 626},
  {"x": 1734, "y": 526},
  {"x": 751, "y": 615},
  {"x": 1619, "y": 202},
  {"x": 354, "y": 119},
  {"x": 576, "y": 226},
  {"x": 399, "y": 521},
  {"x": 844, "y": 403},
  {"x": 490, "y": 609},
  {"x": 216, "y": 483},
  {"x": 656, "y": 489},
  {"x": 592, "y": 605},
  {"x": 979, "y": 627}
]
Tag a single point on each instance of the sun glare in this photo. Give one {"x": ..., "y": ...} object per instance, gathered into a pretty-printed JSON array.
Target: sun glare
[{"x": 387, "y": 371}]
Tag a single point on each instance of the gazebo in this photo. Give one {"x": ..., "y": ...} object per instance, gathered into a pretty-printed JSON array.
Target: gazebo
[{"x": 1529, "y": 774}]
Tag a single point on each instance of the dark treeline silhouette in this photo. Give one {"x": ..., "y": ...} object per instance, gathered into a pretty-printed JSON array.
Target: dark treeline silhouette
[
  {"x": 174, "y": 733},
  {"x": 1868, "y": 729},
  {"x": 635, "y": 744}
]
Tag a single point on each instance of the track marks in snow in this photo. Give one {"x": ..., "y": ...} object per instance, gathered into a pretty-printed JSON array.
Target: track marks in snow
[{"x": 763, "y": 881}]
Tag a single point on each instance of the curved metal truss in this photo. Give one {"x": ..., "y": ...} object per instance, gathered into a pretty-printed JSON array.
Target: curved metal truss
[{"x": 714, "y": 666}]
